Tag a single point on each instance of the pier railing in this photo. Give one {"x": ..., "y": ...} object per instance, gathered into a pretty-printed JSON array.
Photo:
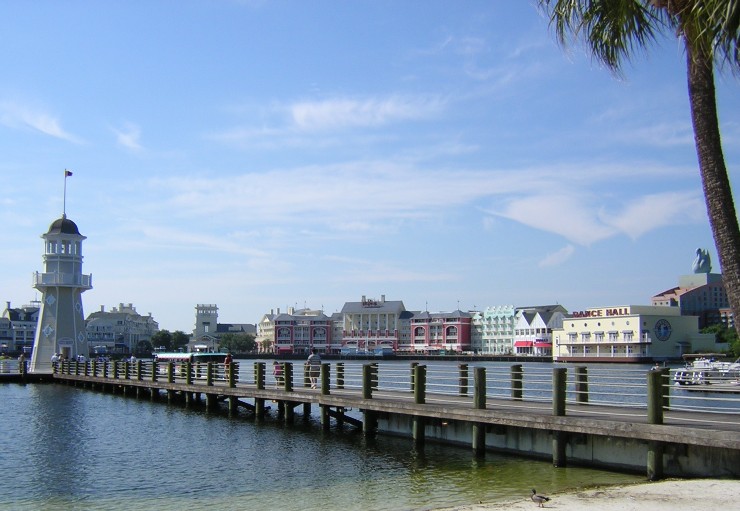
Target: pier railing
[{"x": 648, "y": 393}]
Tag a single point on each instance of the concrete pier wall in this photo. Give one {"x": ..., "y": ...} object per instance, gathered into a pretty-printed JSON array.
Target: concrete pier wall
[{"x": 612, "y": 453}]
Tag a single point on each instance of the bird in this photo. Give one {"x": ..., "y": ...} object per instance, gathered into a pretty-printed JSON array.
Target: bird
[{"x": 539, "y": 499}]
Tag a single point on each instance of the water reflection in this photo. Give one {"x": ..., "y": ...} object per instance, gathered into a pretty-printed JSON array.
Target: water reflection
[{"x": 84, "y": 450}]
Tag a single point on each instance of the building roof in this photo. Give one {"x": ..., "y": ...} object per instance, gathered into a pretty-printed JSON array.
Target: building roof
[
  {"x": 63, "y": 226},
  {"x": 373, "y": 306}
]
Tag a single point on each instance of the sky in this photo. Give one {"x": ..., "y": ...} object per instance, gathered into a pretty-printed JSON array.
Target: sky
[{"x": 265, "y": 154}]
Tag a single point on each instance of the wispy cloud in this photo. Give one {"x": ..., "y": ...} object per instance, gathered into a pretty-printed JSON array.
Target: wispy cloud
[
  {"x": 558, "y": 257},
  {"x": 377, "y": 196},
  {"x": 17, "y": 116},
  {"x": 340, "y": 113},
  {"x": 319, "y": 123},
  {"x": 129, "y": 136}
]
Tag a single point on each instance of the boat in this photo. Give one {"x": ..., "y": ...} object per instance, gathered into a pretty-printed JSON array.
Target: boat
[{"x": 706, "y": 370}]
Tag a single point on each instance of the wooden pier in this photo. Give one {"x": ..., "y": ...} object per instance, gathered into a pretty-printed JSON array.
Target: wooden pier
[{"x": 655, "y": 439}]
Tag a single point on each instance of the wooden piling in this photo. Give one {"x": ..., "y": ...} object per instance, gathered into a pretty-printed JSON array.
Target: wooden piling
[
  {"x": 517, "y": 379},
  {"x": 479, "y": 403}
]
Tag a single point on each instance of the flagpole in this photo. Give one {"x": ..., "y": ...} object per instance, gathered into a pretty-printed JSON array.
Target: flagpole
[
  {"x": 64, "y": 201},
  {"x": 67, "y": 173}
]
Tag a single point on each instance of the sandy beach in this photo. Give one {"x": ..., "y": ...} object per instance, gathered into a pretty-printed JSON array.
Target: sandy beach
[{"x": 673, "y": 495}]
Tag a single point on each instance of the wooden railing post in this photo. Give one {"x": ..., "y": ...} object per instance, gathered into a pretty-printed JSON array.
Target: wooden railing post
[
  {"x": 559, "y": 375},
  {"x": 517, "y": 382},
  {"x": 655, "y": 396},
  {"x": 420, "y": 388},
  {"x": 582, "y": 384},
  {"x": 233, "y": 370},
  {"x": 463, "y": 381},
  {"x": 288, "y": 376},
  {"x": 479, "y": 403},
  {"x": 325, "y": 378},
  {"x": 367, "y": 383},
  {"x": 559, "y": 382},
  {"x": 209, "y": 373},
  {"x": 340, "y": 375},
  {"x": 170, "y": 372}
]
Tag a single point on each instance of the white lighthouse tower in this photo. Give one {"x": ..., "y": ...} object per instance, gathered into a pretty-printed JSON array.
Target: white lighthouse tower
[{"x": 61, "y": 325}]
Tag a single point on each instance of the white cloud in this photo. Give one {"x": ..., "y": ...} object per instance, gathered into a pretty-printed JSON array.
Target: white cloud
[
  {"x": 17, "y": 116},
  {"x": 558, "y": 257},
  {"x": 129, "y": 136},
  {"x": 651, "y": 212},
  {"x": 340, "y": 113}
]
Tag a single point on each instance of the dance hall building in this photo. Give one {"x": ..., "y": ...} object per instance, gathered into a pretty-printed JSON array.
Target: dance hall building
[{"x": 632, "y": 333}]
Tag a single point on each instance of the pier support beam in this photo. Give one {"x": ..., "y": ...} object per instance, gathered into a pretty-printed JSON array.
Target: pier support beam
[
  {"x": 479, "y": 403},
  {"x": 418, "y": 423},
  {"x": 559, "y": 381}
]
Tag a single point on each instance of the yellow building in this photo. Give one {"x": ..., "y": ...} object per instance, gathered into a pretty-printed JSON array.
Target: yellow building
[{"x": 632, "y": 333}]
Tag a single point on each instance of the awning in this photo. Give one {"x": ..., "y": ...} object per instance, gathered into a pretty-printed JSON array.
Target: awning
[
  {"x": 523, "y": 344},
  {"x": 542, "y": 344}
]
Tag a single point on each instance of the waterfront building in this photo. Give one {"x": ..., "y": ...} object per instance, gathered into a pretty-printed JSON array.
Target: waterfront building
[
  {"x": 534, "y": 327},
  {"x": 493, "y": 330},
  {"x": 371, "y": 324},
  {"x": 121, "y": 330},
  {"x": 297, "y": 332},
  {"x": 61, "y": 325},
  {"x": 208, "y": 330},
  {"x": 699, "y": 294},
  {"x": 435, "y": 333},
  {"x": 18, "y": 327},
  {"x": 633, "y": 333}
]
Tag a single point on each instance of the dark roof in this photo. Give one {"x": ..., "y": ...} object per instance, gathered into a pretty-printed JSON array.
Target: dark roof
[{"x": 63, "y": 226}]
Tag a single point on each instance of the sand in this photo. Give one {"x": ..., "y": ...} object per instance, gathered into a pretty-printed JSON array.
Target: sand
[{"x": 669, "y": 495}]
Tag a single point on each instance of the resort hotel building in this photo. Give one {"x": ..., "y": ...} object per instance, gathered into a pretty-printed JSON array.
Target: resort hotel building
[{"x": 632, "y": 333}]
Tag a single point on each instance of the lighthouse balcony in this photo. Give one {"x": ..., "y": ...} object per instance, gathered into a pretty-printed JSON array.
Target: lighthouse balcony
[{"x": 62, "y": 279}]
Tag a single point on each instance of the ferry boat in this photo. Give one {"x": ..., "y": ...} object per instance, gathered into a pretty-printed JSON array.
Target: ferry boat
[{"x": 706, "y": 370}]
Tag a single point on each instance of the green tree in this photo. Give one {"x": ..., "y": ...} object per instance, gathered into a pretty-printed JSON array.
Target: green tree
[
  {"x": 180, "y": 340},
  {"x": 614, "y": 30},
  {"x": 143, "y": 347},
  {"x": 724, "y": 334},
  {"x": 162, "y": 339},
  {"x": 237, "y": 343}
]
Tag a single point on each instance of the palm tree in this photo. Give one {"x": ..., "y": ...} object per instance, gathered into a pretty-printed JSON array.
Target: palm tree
[{"x": 709, "y": 29}]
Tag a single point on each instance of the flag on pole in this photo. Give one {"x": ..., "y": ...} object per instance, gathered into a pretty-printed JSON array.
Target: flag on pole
[{"x": 67, "y": 173}]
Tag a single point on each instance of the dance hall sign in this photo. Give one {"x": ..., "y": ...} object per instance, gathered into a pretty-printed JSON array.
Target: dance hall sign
[{"x": 602, "y": 313}]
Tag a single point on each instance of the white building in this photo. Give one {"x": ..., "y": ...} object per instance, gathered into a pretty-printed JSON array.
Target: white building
[
  {"x": 493, "y": 330},
  {"x": 18, "y": 327},
  {"x": 632, "y": 333},
  {"x": 534, "y": 327},
  {"x": 120, "y": 330}
]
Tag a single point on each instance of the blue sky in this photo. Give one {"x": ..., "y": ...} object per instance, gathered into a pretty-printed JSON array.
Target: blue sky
[{"x": 264, "y": 154}]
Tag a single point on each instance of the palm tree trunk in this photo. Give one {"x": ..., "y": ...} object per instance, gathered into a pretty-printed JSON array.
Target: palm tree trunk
[{"x": 716, "y": 183}]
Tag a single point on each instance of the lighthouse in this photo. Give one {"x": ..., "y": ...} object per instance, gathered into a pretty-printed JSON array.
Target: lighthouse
[{"x": 61, "y": 324}]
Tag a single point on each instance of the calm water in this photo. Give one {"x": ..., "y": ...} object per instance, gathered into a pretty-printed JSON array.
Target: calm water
[{"x": 68, "y": 448}]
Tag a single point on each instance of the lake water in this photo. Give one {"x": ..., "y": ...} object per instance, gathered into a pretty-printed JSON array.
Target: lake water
[{"x": 76, "y": 449}]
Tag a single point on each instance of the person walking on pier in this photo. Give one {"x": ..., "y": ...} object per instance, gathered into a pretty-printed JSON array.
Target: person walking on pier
[
  {"x": 277, "y": 371},
  {"x": 314, "y": 367}
]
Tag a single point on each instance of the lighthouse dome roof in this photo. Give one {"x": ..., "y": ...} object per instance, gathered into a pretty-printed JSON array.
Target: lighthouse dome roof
[{"x": 63, "y": 226}]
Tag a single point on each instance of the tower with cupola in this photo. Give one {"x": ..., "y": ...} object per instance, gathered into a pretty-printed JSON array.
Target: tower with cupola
[{"x": 61, "y": 326}]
